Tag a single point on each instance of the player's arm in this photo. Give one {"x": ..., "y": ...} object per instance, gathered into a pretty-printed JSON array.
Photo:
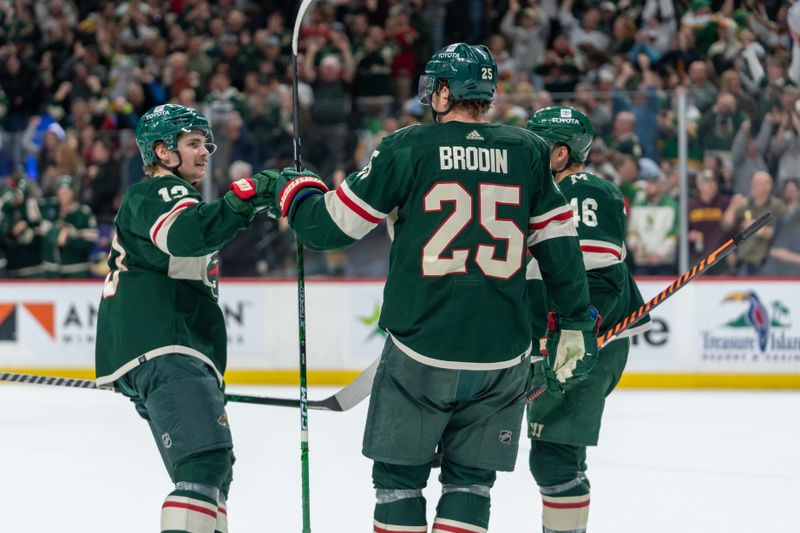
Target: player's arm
[
  {"x": 172, "y": 215},
  {"x": 600, "y": 214},
  {"x": 333, "y": 220},
  {"x": 553, "y": 241},
  {"x": 571, "y": 347}
]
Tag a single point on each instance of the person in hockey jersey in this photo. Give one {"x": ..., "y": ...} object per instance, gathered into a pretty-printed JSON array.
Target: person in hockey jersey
[
  {"x": 161, "y": 337},
  {"x": 562, "y": 426},
  {"x": 464, "y": 200}
]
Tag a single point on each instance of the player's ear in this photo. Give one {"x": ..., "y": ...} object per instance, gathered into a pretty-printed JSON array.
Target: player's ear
[{"x": 161, "y": 150}]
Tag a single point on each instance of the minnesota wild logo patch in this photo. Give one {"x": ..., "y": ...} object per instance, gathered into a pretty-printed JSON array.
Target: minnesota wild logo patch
[{"x": 223, "y": 420}]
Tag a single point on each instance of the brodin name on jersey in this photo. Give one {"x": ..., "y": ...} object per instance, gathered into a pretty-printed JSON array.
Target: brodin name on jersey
[{"x": 493, "y": 160}]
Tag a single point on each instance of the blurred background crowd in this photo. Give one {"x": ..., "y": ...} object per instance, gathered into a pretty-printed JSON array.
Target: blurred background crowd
[{"x": 75, "y": 77}]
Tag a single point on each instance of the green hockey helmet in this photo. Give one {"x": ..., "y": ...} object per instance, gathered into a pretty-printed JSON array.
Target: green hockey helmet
[
  {"x": 470, "y": 71},
  {"x": 165, "y": 123},
  {"x": 566, "y": 125}
]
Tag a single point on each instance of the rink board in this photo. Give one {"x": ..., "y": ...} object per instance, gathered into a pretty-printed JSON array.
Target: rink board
[{"x": 703, "y": 336}]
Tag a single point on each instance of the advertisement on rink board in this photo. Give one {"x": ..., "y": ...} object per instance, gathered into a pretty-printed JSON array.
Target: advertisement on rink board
[{"x": 710, "y": 326}]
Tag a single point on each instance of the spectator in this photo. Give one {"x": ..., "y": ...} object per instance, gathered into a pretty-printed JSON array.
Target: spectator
[
  {"x": 102, "y": 192},
  {"x": 597, "y": 107},
  {"x": 527, "y": 30},
  {"x": 784, "y": 145},
  {"x": 20, "y": 83},
  {"x": 702, "y": 92},
  {"x": 331, "y": 108},
  {"x": 706, "y": 210},
  {"x": 372, "y": 85},
  {"x": 674, "y": 63},
  {"x": 784, "y": 254},
  {"x": 19, "y": 229},
  {"x": 653, "y": 224},
  {"x": 506, "y": 63},
  {"x": 718, "y": 128},
  {"x": 731, "y": 82},
  {"x": 742, "y": 211},
  {"x": 644, "y": 104},
  {"x": 69, "y": 232},
  {"x": 199, "y": 62},
  {"x": 599, "y": 162},
  {"x": 241, "y": 141},
  {"x": 405, "y": 38},
  {"x": 562, "y": 66},
  {"x": 747, "y": 153},
  {"x": 624, "y": 139},
  {"x": 588, "y": 33}
]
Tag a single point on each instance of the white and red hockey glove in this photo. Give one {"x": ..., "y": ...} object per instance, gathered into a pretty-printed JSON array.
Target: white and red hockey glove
[{"x": 570, "y": 350}]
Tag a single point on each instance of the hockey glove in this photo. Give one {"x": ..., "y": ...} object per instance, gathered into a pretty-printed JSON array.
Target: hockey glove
[
  {"x": 570, "y": 350},
  {"x": 293, "y": 187},
  {"x": 250, "y": 196}
]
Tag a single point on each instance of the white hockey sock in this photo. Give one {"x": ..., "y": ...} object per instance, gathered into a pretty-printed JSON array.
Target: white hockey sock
[
  {"x": 188, "y": 514},
  {"x": 565, "y": 514}
]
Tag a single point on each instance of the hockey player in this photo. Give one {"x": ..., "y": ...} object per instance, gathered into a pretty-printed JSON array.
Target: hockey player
[
  {"x": 561, "y": 427},
  {"x": 463, "y": 199},
  {"x": 161, "y": 336}
]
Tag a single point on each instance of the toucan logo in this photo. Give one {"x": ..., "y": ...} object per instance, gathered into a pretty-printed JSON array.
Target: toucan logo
[
  {"x": 42, "y": 312},
  {"x": 757, "y": 316}
]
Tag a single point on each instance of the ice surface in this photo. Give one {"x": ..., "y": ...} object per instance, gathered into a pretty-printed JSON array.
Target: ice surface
[{"x": 686, "y": 461}]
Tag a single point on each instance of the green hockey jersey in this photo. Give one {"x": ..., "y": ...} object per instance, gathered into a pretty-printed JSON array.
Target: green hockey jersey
[
  {"x": 160, "y": 296},
  {"x": 598, "y": 209},
  {"x": 463, "y": 202},
  {"x": 72, "y": 259}
]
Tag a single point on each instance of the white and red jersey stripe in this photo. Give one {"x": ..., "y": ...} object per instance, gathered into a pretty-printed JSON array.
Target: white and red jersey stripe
[
  {"x": 222, "y": 518},
  {"x": 379, "y": 527},
  {"x": 565, "y": 513},
  {"x": 181, "y": 513},
  {"x": 354, "y": 216},
  {"x": 159, "y": 231},
  {"x": 555, "y": 223},
  {"x": 599, "y": 254},
  {"x": 445, "y": 525}
]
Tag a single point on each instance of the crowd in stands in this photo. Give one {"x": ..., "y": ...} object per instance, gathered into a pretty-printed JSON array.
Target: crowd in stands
[{"x": 75, "y": 77}]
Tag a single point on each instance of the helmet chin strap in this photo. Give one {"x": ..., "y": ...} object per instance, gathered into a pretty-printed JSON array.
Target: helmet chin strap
[
  {"x": 174, "y": 169},
  {"x": 437, "y": 114}
]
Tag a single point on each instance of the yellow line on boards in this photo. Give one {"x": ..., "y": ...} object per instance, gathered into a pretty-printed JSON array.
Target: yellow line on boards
[
  {"x": 343, "y": 377},
  {"x": 710, "y": 381}
]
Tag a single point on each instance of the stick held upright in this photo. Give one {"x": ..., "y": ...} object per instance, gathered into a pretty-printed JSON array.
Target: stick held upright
[{"x": 301, "y": 286}]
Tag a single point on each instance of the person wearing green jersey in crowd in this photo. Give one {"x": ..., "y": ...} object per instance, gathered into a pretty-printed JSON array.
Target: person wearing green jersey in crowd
[
  {"x": 561, "y": 427},
  {"x": 69, "y": 230},
  {"x": 463, "y": 200},
  {"x": 161, "y": 337}
]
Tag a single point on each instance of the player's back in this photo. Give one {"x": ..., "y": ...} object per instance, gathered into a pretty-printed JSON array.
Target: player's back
[{"x": 455, "y": 288}]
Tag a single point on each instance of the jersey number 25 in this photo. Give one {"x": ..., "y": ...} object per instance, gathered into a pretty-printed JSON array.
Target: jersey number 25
[{"x": 490, "y": 195}]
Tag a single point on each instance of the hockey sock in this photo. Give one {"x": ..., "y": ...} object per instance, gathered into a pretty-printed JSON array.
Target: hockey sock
[
  {"x": 187, "y": 511},
  {"x": 559, "y": 472},
  {"x": 222, "y": 515},
  {"x": 399, "y": 506},
  {"x": 464, "y": 504}
]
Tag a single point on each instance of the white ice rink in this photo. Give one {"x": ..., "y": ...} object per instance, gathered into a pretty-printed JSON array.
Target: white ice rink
[{"x": 668, "y": 461}]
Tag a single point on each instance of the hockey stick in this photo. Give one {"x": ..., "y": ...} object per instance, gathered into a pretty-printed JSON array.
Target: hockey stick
[
  {"x": 345, "y": 399},
  {"x": 301, "y": 284},
  {"x": 712, "y": 259}
]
